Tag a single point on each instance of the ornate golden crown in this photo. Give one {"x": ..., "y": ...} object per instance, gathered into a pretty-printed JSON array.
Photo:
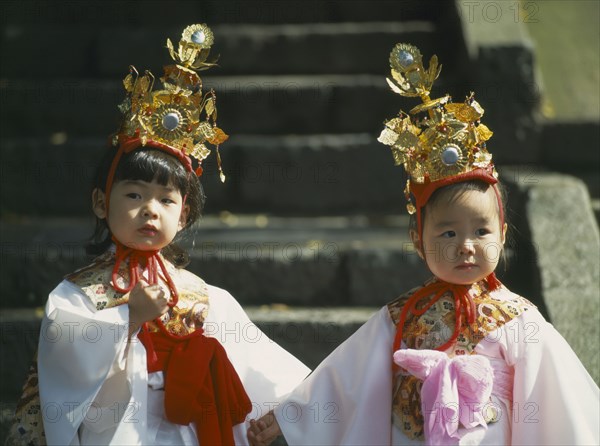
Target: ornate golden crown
[
  {"x": 179, "y": 115},
  {"x": 448, "y": 141}
]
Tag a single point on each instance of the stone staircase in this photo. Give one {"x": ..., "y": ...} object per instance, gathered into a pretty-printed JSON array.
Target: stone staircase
[
  {"x": 571, "y": 109},
  {"x": 309, "y": 231}
]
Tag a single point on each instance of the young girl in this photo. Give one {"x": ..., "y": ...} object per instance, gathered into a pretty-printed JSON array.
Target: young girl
[
  {"x": 461, "y": 359},
  {"x": 133, "y": 348}
]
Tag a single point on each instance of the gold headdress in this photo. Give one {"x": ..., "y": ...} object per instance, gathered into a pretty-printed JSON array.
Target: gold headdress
[
  {"x": 178, "y": 118},
  {"x": 445, "y": 146}
]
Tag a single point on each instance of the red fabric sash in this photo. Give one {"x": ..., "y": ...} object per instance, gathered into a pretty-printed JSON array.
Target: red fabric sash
[{"x": 201, "y": 384}]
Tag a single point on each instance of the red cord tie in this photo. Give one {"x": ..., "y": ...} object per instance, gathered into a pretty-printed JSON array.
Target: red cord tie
[
  {"x": 152, "y": 263},
  {"x": 464, "y": 307}
]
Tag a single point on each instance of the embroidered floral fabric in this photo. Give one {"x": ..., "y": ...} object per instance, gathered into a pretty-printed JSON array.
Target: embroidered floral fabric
[
  {"x": 28, "y": 427},
  {"x": 187, "y": 316}
]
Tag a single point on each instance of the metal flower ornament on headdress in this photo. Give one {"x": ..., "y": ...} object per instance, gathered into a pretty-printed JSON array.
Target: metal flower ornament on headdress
[
  {"x": 437, "y": 139},
  {"x": 179, "y": 116}
]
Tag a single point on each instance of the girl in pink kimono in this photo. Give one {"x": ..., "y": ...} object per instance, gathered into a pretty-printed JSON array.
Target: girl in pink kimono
[{"x": 461, "y": 359}]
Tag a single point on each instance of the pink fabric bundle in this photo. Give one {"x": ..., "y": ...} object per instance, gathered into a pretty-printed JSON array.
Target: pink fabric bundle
[{"x": 455, "y": 391}]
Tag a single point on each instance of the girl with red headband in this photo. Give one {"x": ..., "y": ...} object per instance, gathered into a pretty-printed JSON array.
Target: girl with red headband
[
  {"x": 134, "y": 349},
  {"x": 461, "y": 359}
]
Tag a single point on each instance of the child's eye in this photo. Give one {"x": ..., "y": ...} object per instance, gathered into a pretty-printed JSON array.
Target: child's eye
[
  {"x": 169, "y": 200},
  {"x": 449, "y": 234},
  {"x": 482, "y": 231},
  {"x": 133, "y": 195}
]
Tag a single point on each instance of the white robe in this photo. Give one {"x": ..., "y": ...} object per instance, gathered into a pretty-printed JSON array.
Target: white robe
[
  {"x": 95, "y": 388},
  {"x": 347, "y": 400}
]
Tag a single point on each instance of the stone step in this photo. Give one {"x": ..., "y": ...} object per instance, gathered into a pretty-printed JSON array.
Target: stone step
[
  {"x": 309, "y": 334},
  {"x": 259, "y": 259},
  {"x": 559, "y": 134},
  {"x": 247, "y": 104},
  {"x": 596, "y": 209},
  {"x": 154, "y": 13},
  {"x": 321, "y": 174},
  {"x": 310, "y": 174},
  {"x": 309, "y": 260},
  {"x": 245, "y": 49}
]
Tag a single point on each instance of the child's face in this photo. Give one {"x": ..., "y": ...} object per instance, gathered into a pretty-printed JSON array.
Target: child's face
[
  {"x": 144, "y": 216},
  {"x": 463, "y": 240}
]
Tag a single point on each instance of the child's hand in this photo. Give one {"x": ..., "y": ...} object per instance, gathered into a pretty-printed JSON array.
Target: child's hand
[
  {"x": 146, "y": 302},
  {"x": 264, "y": 431}
]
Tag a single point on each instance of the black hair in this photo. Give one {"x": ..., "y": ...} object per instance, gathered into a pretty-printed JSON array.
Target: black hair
[
  {"x": 149, "y": 164},
  {"x": 451, "y": 193}
]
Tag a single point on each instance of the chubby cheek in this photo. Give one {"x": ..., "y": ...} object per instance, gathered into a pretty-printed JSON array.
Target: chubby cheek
[
  {"x": 450, "y": 252},
  {"x": 492, "y": 252},
  {"x": 440, "y": 252},
  {"x": 439, "y": 269}
]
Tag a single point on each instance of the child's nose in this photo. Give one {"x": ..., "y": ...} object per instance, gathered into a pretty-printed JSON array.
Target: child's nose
[
  {"x": 467, "y": 246},
  {"x": 149, "y": 209}
]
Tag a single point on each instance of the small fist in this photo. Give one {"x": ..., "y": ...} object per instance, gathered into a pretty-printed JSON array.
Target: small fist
[
  {"x": 146, "y": 302},
  {"x": 264, "y": 431}
]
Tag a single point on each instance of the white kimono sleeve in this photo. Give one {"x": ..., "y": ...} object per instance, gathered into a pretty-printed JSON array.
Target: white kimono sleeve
[
  {"x": 78, "y": 349},
  {"x": 555, "y": 400},
  {"x": 348, "y": 399}
]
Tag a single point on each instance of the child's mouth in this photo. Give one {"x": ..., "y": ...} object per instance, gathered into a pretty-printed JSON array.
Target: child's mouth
[
  {"x": 466, "y": 266},
  {"x": 148, "y": 230}
]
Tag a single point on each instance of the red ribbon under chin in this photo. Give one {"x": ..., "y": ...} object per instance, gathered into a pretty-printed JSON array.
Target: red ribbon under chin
[
  {"x": 145, "y": 261},
  {"x": 464, "y": 306}
]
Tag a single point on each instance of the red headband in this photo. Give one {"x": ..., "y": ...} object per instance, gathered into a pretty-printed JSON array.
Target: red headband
[{"x": 423, "y": 191}]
